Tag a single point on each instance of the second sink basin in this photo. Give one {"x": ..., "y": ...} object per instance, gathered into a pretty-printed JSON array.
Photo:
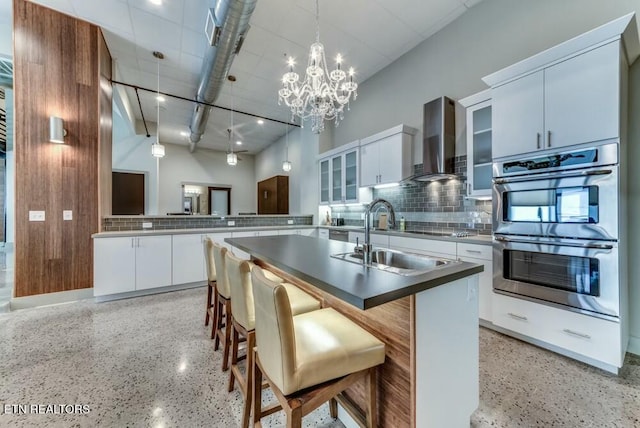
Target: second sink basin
[{"x": 397, "y": 261}]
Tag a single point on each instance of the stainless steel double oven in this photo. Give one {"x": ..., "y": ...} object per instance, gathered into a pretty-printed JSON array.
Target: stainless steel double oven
[{"x": 555, "y": 224}]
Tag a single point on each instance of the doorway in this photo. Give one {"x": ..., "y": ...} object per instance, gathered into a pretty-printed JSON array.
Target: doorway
[
  {"x": 127, "y": 195},
  {"x": 219, "y": 201}
]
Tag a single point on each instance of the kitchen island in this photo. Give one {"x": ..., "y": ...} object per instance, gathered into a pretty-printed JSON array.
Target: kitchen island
[{"x": 428, "y": 321}]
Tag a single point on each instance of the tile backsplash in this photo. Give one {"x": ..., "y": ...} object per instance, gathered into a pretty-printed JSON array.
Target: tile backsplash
[
  {"x": 119, "y": 223},
  {"x": 436, "y": 206}
]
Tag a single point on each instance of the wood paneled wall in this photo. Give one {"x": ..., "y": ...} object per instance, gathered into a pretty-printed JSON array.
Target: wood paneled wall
[{"x": 61, "y": 68}]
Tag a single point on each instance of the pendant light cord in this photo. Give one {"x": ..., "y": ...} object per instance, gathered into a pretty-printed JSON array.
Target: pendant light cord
[
  {"x": 158, "y": 104},
  {"x": 317, "y": 22}
]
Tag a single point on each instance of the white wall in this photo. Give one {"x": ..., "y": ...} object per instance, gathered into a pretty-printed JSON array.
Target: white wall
[
  {"x": 492, "y": 35},
  {"x": 303, "y": 177},
  {"x": 132, "y": 153},
  {"x": 205, "y": 166}
]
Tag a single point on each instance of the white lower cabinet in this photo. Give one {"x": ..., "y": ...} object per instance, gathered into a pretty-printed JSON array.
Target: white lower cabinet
[
  {"x": 323, "y": 233},
  {"x": 153, "y": 262},
  {"x": 594, "y": 338},
  {"x": 481, "y": 254},
  {"x": 126, "y": 264},
  {"x": 188, "y": 259},
  {"x": 377, "y": 240},
  {"x": 428, "y": 247},
  {"x": 302, "y": 232}
]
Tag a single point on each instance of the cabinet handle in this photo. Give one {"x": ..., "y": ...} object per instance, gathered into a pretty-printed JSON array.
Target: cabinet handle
[
  {"x": 468, "y": 189},
  {"x": 474, "y": 251},
  {"x": 575, "y": 333},
  {"x": 518, "y": 317},
  {"x": 548, "y": 138},
  {"x": 265, "y": 194},
  {"x": 132, "y": 242},
  {"x": 538, "y": 139},
  {"x": 137, "y": 242}
]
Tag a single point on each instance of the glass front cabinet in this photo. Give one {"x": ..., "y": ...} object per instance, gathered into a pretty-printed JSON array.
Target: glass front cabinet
[
  {"x": 339, "y": 178},
  {"x": 478, "y": 144}
]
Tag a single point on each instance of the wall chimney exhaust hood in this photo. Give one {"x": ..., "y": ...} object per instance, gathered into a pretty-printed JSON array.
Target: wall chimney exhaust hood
[{"x": 439, "y": 140}]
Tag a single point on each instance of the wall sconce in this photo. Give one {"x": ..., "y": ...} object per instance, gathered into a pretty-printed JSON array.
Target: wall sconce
[
  {"x": 157, "y": 150},
  {"x": 286, "y": 166},
  {"x": 56, "y": 130}
]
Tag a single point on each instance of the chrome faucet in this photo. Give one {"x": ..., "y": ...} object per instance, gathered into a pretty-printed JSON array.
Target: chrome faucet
[{"x": 366, "y": 246}]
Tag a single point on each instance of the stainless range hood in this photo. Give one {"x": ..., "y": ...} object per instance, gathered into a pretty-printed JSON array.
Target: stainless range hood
[{"x": 439, "y": 140}]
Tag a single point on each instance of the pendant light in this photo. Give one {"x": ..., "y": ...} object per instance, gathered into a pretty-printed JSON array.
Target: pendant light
[
  {"x": 286, "y": 165},
  {"x": 157, "y": 149},
  {"x": 232, "y": 158}
]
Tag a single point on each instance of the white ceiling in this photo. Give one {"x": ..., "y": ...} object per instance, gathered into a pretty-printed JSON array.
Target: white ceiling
[{"x": 370, "y": 34}]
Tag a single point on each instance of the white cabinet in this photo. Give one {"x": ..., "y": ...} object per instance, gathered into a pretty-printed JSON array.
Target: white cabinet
[
  {"x": 584, "y": 335},
  {"x": 153, "y": 262},
  {"x": 323, "y": 233},
  {"x": 339, "y": 177},
  {"x": 479, "y": 137},
  {"x": 114, "y": 266},
  {"x": 481, "y": 254},
  {"x": 377, "y": 240},
  {"x": 188, "y": 259},
  {"x": 573, "y": 101},
  {"x": 301, "y": 232},
  {"x": 429, "y": 247},
  {"x": 386, "y": 157},
  {"x": 131, "y": 263}
]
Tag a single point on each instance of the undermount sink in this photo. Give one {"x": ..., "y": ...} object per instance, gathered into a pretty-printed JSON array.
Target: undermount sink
[{"x": 398, "y": 262}]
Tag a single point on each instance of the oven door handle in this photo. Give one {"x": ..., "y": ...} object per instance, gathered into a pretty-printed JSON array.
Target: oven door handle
[
  {"x": 568, "y": 244},
  {"x": 554, "y": 175}
]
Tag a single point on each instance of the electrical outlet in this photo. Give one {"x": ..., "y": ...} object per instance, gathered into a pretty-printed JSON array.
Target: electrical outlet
[
  {"x": 289, "y": 221},
  {"x": 36, "y": 215},
  {"x": 231, "y": 223},
  {"x": 147, "y": 225},
  {"x": 67, "y": 215}
]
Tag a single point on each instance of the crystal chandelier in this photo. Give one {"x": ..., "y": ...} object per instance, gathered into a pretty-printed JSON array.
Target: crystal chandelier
[
  {"x": 322, "y": 95},
  {"x": 157, "y": 149}
]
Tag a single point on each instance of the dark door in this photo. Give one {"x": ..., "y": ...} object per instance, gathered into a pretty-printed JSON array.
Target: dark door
[{"x": 127, "y": 196}]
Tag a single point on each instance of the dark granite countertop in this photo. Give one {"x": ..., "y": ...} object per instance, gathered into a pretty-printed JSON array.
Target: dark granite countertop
[
  {"x": 471, "y": 239},
  {"x": 364, "y": 287}
]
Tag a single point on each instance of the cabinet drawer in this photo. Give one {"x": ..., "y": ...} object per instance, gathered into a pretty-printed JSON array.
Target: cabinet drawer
[
  {"x": 323, "y": 233},
  {"x": 424, "y": 245},
  {"x": 484, "y": 252},
  {"x": 583, "y": 334}
]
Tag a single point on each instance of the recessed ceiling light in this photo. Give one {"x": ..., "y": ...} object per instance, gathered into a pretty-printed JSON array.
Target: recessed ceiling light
[
  {"x": 239, "y": 143},
  {"x": 158, "y": 2},
  {"x": 160, "y": 98},
  {"x": 260, "y": 122}
]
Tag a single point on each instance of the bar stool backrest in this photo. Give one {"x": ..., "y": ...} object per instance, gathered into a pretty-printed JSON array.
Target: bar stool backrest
[
  {"x": 222, "y": 283},
  {"x": 275, "y": 337},
  {"x": 208, "y": 257},
  {"x": 239, "y": 274}
]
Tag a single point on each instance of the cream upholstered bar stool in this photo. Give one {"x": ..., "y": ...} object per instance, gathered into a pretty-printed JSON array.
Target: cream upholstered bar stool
[
  {"x": 211, "y": 284},
  {"x": 222, "y": 305},
  {"x": 310, "y": 358},
  {"x": 243, "y": 320}
]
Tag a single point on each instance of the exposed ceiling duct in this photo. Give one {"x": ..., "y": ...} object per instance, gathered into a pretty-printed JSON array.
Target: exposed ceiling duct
[{"x": 227, "y": 26}]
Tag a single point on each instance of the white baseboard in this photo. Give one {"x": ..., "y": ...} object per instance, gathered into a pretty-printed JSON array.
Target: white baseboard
[
  {"x": 149, "y": 291},
  {"x": 18, "y": 303},
  {"x": 634, "y": 345}
]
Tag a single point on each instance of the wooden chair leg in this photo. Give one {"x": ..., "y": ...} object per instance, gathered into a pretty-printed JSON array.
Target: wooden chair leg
[
  {"x": 234, "y": 357},
  {"x": 371, "y": 388},
  {"x": 333, "y": 408},
  {"x": 227, "y": 336},
  {"x": 216, "y": 321},
  {"x": 248, "y": 393},
  {"x": 209, "y": 293},
  {"x": 294, "y": 417},
  {"x": 257, "y": 392}
]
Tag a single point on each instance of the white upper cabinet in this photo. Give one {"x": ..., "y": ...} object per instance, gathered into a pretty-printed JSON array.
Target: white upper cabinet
[
  {"x": 567, "y": 95},
  {"x": 518, "y": 122},
  {"x": 582, "y": 98},
  {"x": 386, "y": 157},
  {"x": 479, "y": 137},
  {"x": 339, "y": 176}
]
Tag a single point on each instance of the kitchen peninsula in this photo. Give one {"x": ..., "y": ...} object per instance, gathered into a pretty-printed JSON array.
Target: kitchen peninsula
[{"x": 428, "y": 379}]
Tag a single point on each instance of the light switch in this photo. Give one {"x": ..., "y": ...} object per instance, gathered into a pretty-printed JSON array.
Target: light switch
[
  {"x": 289, "y": 221},
  {"x": 36, "y": 215},
  {"x": 147, "y": 225},
  {"x": 67, "y": 215},
  {"x": 231, "y": 223}
]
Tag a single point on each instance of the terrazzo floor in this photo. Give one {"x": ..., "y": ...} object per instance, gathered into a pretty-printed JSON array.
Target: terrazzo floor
[{"x": 148, "y": 362}]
